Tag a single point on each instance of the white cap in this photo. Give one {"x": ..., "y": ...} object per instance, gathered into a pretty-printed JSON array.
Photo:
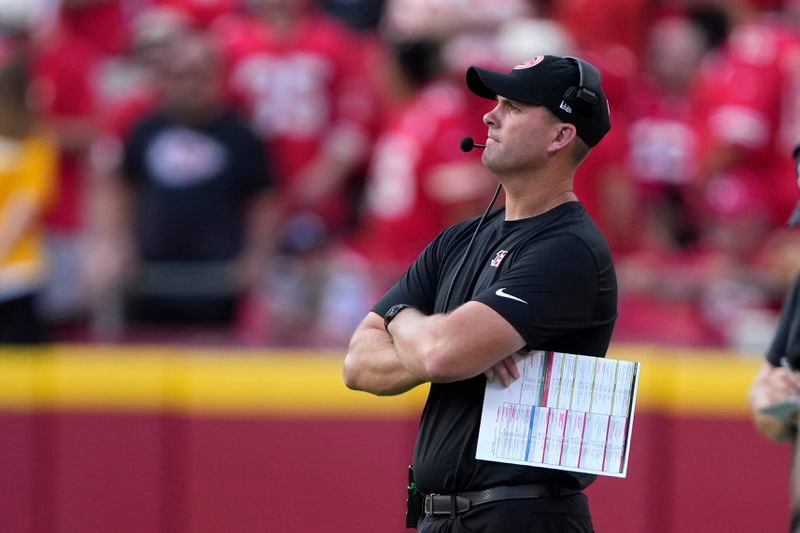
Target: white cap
[{"x": 523, "y": 38}]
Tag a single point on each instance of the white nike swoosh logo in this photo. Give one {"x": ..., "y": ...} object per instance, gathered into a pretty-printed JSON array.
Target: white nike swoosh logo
[{"x": 502, "y": 292}]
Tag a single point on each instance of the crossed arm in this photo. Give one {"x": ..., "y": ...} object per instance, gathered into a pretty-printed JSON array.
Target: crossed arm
[{"x": 440, "y": 348}]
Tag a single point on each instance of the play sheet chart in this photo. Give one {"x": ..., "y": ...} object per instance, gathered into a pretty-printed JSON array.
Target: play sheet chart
[{"x": 567, "y": 412}]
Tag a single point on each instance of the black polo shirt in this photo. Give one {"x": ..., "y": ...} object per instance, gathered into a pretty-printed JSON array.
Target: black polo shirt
[{"x": 552, "y": 277}]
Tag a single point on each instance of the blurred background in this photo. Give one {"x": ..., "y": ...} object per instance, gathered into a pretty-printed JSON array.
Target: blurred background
[{"x": 200, "y": 200}]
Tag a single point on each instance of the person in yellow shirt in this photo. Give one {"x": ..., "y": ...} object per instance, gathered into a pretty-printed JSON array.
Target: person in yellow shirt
[{"x": 27, "y": 176}]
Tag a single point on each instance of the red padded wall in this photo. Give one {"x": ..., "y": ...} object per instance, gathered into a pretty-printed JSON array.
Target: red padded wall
[{"x": 87, "y": 473}]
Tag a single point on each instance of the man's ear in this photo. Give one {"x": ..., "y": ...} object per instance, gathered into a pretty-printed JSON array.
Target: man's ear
[{"x": 564, "y": 134}]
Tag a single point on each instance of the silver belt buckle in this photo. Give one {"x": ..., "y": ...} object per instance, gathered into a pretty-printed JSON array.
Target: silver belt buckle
[{"x": 428, "y": 504}]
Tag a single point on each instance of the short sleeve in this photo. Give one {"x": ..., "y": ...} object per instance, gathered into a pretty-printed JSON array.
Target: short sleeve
[
  {"x": 550, "y": 289},
  {"x": 418, "y": 285}
]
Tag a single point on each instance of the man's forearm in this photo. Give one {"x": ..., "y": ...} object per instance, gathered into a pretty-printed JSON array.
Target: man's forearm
[
  {"x": 464, "y": 343},
  {"x": 412, "y": 335},
  {"x": 372, "y": 365}
]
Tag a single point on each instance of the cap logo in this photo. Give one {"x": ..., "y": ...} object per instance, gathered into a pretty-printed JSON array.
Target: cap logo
[
  {"x": 530, "y": 63},
  {"x": 566, "y": 107}
]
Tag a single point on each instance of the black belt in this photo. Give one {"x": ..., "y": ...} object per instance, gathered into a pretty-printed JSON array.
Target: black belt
[{"x": 455, "y": 504}]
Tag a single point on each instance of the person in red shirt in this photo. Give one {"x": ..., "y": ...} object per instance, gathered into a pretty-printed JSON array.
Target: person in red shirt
[
  {"x": 697, "y": 277},
  {"x": 747, "y": 100},
  {"x": 296, "y": 74},
  {"x": 663, "y": 137},
  {"x": 101, "y": 22},
  {"x": 419, "y": 180},
  {"x": 62, "y": 65}
]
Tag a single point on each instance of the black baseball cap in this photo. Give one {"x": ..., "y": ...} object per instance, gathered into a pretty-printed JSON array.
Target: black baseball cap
[{"x": 550, "y": 81}]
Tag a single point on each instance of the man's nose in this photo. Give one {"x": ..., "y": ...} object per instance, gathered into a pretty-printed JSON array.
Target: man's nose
[{"x": 489, "y": 118}]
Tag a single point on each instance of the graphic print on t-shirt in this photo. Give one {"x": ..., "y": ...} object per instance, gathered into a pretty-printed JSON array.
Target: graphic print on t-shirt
[{"x": 180, "y": 157}]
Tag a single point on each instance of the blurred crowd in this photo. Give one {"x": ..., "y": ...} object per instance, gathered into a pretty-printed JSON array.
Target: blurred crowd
[{"x": 258, "y": 172}]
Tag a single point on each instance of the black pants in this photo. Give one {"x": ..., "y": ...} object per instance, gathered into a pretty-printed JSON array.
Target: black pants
[
  {"x": 20, "y": 322},
  {"x": 566, "y": 514}
]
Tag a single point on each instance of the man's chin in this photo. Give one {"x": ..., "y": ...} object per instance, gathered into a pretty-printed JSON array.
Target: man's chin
[{"x": 490, "y": 162}]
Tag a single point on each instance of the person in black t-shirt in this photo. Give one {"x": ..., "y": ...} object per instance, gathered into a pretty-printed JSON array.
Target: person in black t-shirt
[
  {"x": 778, "y": 381},
  {"x": 194, "y": 198},
  {"x": 538, "y": 276}
]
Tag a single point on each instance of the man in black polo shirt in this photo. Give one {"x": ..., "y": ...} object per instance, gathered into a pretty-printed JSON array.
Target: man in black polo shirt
[
  {"x": 538, "y": 276},
  {"x": 775, "y": 391}
]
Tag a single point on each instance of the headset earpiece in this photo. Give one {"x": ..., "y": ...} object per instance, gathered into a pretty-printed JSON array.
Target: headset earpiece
[{"x": 589, "y": 84}]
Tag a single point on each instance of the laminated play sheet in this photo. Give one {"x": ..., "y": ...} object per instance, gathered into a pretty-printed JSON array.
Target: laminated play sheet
[{"x": 566, "y": 412}]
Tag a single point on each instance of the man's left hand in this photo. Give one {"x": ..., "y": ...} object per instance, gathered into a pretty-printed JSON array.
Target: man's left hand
[{"x": 505, "y": 370}]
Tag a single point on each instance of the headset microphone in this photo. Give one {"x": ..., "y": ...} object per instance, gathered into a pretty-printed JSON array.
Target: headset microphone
[{"x": 468, "y": 143}]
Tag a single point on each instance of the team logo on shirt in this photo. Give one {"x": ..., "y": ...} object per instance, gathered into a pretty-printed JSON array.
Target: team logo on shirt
[
  {"x": 529, "y": 63},
  {"x": 498, "y": 258}
]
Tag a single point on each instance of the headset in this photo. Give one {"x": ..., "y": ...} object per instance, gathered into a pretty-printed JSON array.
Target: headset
[{"x": 589, "y": 84}]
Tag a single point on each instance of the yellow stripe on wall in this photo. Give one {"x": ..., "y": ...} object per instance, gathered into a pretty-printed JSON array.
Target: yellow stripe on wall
[
  {"x": 273, "y": 383},
  {"x": 692, "y": 382}
]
